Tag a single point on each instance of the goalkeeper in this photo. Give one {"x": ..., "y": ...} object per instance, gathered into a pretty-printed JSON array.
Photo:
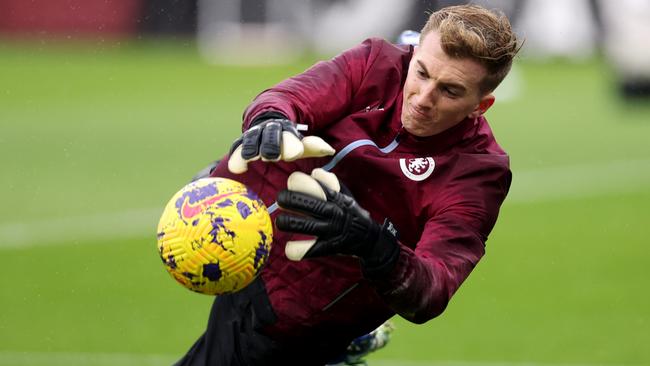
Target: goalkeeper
[{"x": 384, "y": 180}]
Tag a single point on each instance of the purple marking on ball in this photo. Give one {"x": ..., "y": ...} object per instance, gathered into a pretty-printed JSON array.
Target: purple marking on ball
[
  {"x": 218, "y": 224},
  {"x": 212, "y": 271},
  {"x": 243, "y": 209},
  {"x": 225, "y": 203},
  {"x": 262, "y": 250},
  {"x": 170, "y": 261},
  {"x": 188, "y": 275},
  {"x": 195, "y": 195},
  {"x": 251, "y": 195},
  {"x": 160, "y": 235},
  {"x": 195, "y": 222}
]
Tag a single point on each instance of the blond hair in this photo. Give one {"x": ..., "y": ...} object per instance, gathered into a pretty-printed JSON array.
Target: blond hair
[{"x": 471, "y": 31}]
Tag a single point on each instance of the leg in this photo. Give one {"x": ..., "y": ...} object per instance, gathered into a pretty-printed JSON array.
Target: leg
[{"x": 233, "y": 336}]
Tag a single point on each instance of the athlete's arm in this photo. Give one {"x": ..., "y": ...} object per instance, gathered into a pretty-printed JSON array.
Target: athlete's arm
[
  {"x": 318, "y": 96},
  {"x": 423, "y": 280},
  {"x": 416, "y": 284}
]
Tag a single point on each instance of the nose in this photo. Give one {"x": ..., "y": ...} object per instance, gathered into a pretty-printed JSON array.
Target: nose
[{"x": 426, "y": 97}]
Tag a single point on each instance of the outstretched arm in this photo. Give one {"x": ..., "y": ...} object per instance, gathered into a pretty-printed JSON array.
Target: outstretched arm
[
  {"x": 320, "y": 95},
  {"x": 417, "y": 284}
]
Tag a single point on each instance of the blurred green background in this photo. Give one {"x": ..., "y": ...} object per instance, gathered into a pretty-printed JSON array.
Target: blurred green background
[{"x": 95, "y": 140}]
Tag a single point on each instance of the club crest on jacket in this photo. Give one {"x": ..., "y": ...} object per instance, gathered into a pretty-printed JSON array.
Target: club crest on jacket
[{"x": 417, "y": 169}]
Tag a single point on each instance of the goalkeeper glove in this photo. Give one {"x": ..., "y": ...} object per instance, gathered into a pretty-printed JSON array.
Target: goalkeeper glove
[
  {"x": 336, "y": 219},
  {"x": 273, "y": 138}
]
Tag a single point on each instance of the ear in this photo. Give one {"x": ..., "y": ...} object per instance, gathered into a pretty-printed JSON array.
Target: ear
[{"x": 483, "y": 105}]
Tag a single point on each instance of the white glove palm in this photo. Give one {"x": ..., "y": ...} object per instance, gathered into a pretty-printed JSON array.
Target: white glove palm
[{"x": 274, "y": 140}]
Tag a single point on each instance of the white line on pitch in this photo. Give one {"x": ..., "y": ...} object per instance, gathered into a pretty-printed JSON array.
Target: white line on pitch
[{"x": 73, "y": 229}]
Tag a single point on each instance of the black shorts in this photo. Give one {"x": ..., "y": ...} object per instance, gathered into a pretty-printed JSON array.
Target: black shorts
[{"x": 234, "y": 336}]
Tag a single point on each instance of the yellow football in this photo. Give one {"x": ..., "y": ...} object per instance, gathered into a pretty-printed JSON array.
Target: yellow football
[{"x": 215, "y": 236}]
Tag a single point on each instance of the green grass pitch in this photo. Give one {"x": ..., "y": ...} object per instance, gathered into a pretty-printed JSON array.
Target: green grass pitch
[{"x": 94, "y": 141}]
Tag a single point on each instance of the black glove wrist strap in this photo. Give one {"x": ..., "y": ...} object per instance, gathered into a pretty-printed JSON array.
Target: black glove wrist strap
[
  {"x": 384, "y": 254},
  {"x": 266, "y": 116}
]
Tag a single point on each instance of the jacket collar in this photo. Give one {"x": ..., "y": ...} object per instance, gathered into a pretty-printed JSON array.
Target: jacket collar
[{"x": 442, "y": 141}]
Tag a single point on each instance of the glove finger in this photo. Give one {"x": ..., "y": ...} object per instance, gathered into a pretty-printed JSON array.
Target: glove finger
[
  {"x": 295, "y": 250},
  {"x": 301, "y": 182},
  {"x": 339, "y": 199},
  {"x": 300, "y": 249},
  {"x": 251, "y": 143},
  {"x": 290, "y": 127},
  {"x": 316, "y": 147},
  {"x": 302, "y": 225},
  {"x": 331, "y": 181},
  {"x": 307, "y": 205},
  {"x": 324, "y": 247},
  {"x": 271, "y": 140},
  {"x": 328, "y": 179},
  {"x": 236, "y": 144},
  {"x": 237, "y": 164},
  {"x": 292, "y": 147},
  {"x": 322, "y": 185}
]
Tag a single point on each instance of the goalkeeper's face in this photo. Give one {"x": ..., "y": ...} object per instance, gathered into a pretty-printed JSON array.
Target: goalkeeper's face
[{"x": 441, "y": 91}]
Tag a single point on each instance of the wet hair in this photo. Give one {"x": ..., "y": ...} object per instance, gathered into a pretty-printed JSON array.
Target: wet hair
[{"x": 471, "y": 31}]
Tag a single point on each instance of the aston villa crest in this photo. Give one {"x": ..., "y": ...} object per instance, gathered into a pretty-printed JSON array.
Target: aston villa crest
[{"x": 417, "y": 169}]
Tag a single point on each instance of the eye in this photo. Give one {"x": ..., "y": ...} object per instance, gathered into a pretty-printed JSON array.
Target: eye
[
  {"x": 421, "y": 74},
  {"x": 450, "y": 92}
]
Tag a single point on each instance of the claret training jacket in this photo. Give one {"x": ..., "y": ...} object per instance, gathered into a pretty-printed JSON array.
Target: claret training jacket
[{"x": 442, "y": 192}]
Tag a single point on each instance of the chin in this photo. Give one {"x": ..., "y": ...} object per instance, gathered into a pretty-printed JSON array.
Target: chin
[
  {"x": 413, "y": 128},
  {"x": 415, "y": 131},
  {"x": 408, "y": 127}
]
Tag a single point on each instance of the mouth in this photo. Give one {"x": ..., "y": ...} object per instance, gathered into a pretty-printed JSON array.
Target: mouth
[{"x": 417, "y": 113}]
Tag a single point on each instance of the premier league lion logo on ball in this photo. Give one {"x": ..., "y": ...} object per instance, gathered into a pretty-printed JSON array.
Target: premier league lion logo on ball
[{"x": 215, "y": 236}]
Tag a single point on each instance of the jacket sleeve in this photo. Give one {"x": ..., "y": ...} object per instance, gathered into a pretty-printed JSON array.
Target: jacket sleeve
[
  {"x": 320, "y": 95},
  {"x": 423, "y": 280}
]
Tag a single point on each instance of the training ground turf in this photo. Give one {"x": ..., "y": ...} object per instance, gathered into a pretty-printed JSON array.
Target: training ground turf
[{"x": 95, "y": 140}]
